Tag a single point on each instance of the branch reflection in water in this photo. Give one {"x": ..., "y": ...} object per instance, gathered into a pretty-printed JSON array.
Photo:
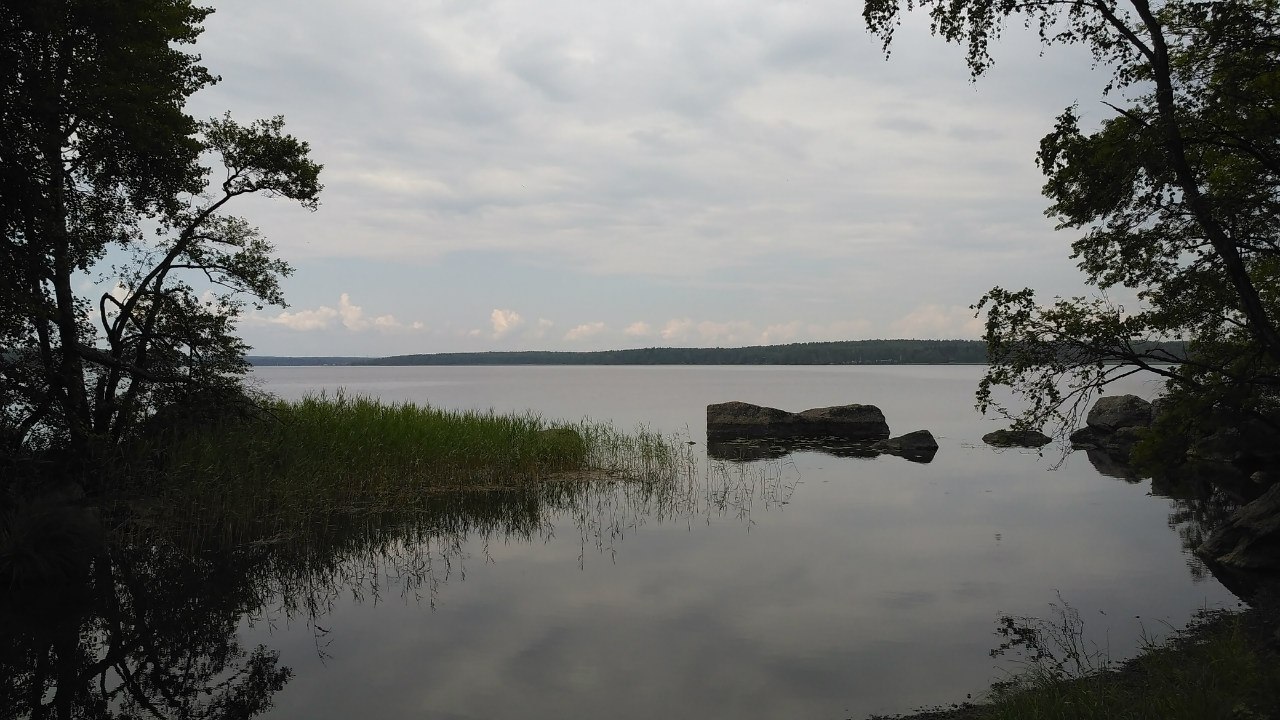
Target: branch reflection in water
[{"x": 114, "y": 614}]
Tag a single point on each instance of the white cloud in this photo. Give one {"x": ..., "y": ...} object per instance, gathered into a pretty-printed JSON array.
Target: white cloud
[
  {"x": 349, "y": 315},
  {"x": 734, "y": 333},
  {"x": 302, "y": 320},
  {"x": 352, "y": 315},
  {"x": 677, "y": 330},
  {"x": 540, "y": 330},
  {"x": 584, "y": 330},
  {"x": 504, "y": 321},
  {"x": 841, "y": 330},
  {"x": 781, "y": 333},
  {"x": 737, "y": 332},
  {"x": 638, "y": 329},
  {"x": 938, "y": 322}
]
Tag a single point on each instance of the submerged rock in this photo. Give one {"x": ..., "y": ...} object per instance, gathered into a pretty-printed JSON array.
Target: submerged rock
[
  {"x": 919, "y": 445},
  {"x": 1017, "y": 438},
  {"x": 744, "y": 420}
]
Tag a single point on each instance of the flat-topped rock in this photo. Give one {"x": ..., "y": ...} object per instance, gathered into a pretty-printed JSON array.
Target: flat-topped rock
[
  {"x": 744, "y": 420},
  {"x": 853, "y": 422}
]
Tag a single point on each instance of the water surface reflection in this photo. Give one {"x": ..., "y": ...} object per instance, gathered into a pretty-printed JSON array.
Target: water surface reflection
[
  {"x": 135, "y": 623},
  {"x": 805, "y": 584}
]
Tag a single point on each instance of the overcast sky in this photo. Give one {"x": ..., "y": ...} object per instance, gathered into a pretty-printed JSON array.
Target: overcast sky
[{"x": 575, "y": 175}]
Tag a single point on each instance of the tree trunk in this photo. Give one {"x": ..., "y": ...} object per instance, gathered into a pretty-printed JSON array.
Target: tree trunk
[{"x": 1255, "y": 313}]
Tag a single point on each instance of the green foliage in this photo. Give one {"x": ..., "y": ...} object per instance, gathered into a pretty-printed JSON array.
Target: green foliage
[
  {"x": 1177, "y": 197},
  {"x": 99, "y": 161},
  {"x": 561, "y": 449}
]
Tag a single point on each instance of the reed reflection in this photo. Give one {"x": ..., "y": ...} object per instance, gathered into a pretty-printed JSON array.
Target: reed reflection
[{"x": 117, "y": 614}]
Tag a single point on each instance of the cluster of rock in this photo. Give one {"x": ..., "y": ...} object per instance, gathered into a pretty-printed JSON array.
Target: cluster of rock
[
  {"x": 1114, "y": 425},
  {"x": 850, "y": 429},
  {"x": 1224, "y": 450},
  {"x": 1250, "y": 538}
]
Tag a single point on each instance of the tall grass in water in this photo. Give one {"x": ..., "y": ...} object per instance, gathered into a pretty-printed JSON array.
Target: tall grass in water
[{"x": 305, "y": 462}]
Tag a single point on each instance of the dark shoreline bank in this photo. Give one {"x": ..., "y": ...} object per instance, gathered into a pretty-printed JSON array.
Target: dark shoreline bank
[{"x": 1129, "y": 687}]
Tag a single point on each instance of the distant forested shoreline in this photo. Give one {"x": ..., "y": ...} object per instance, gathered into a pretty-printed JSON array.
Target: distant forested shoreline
[
  {"x": 854, "y": 352},
  {"x": 851, "y": 352}
]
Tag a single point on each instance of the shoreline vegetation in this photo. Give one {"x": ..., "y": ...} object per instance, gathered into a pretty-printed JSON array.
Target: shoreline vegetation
[
  {"x": 218, "y": 511},
  {"x": 282, "y": 468},
  {"x": 1225, "y": 665},
  {"x": 851, "y": 352}
]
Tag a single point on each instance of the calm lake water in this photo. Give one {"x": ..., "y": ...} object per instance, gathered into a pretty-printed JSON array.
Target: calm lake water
[{"x": 813, "y": 586}]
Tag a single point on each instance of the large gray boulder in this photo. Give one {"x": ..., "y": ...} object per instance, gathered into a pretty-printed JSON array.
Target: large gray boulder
[
  {"x": 851, "y": 422},
  {"x": 744, "y": 420},
  {"x": 1113, "y": 412},
  {"x": 1114, "y": 425}
]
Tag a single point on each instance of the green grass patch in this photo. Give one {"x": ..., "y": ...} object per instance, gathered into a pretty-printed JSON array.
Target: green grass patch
[{"x": 298, "y": 464}]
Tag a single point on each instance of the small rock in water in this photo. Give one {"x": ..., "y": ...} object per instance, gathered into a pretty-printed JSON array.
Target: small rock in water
[
  {"x": 918, "y": 445},
  {"x": 1017, "y": 438}
]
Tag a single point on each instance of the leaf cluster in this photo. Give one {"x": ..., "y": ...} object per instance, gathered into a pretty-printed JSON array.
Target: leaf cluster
[
  {"x": 99, "y": 162},
  {"x": 1175, "y": 196}
]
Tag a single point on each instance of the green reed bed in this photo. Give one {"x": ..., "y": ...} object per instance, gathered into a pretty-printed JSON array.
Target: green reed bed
[{"x": 302, "y": 463}]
